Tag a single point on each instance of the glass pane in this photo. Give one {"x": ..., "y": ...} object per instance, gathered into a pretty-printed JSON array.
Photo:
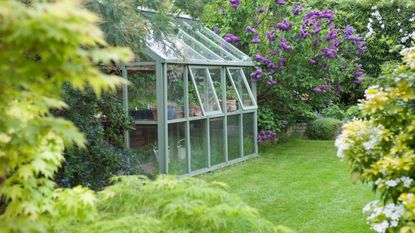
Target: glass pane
[
  {"x": 194, "y": 106},
  {"x": 175, "y": 91},
  {"x": 198, "y": 145},
  {"x": 143, "y": 140},
  {"x": 224, "y": 44},
  {"x": 231, "y": 97},
  {"x": 197, "y": 46},
  {"x": 208, "y": 43},
  {"x": 249, "y": 139},
  {"x": 234, "y": 139},
  {"x": 173, "y": 49},
  {"x": 215, "y": 74},
  {"x": 205, "y": 88},
  {"x": 177, "y": 149},
  {"x": 142, "y": 93},
  {"x": 241, "y": 87},
  {"x": 217, "y": 147}
]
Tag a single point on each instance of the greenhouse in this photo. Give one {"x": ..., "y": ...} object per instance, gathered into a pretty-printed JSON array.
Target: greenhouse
[{"x": 193, "y": 107}]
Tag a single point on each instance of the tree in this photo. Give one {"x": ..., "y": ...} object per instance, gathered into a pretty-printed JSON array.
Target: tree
[{"x": 44, "y": 45}]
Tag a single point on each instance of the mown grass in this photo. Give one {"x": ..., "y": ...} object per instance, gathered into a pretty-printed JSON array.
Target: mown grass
[{"x": 300, "y": 184}]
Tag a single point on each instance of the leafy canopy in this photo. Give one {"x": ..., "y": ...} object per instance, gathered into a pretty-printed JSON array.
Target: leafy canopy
[{"x": 44, "y": 45}]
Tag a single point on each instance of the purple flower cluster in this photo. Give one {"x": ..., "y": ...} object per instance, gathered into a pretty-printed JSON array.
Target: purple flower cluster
[
  {"x": 251, "y": 30},
  {"x": 284, "y": 25},
  {"x": 284, "y": 46},
  {"x": 216, "y": 30},
  {"x": 284, "y": 122},
  {"x": 349, "y": 34},
  {"x": 231, "y": 38},
  {"x": 321, "y": 89},
  {"x": 256, "y": 74},
  {"x": 266, "y": 135},
  {"x": 310, "y": 22},
  {"x": 358, "y": 74},
  {"x": 330, "y": 52},
  {"x": 281, "y": 2},
  {"x": 271, "y": 82},
  {"x": 261, "y": 10},
  {"x": 297, "y": 9},
  {"x": 262, "y": 59},
  {"x": 281, "y": 63},
  {"x": 234, "y": 3},
  {"x": 270, "y": 36}
]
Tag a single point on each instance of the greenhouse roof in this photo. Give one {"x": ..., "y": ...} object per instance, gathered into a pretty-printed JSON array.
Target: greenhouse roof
[{"x": 192, "y": 43}]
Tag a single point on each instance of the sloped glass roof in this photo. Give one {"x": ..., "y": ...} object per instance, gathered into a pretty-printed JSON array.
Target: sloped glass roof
[{"x": 195, "y": 44}]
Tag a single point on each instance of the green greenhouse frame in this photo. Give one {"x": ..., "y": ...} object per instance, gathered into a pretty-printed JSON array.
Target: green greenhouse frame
[{"x": 193, "y": 107}]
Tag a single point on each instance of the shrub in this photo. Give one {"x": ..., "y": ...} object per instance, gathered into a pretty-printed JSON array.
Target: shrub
[
  {"x": 380, "y": 148},
  {"x": 103, "y": 121},
  {"x": 333, "y": 111},
  {"x": 387, "y": 25},
  {"x": 352, "y": 112},
  {"x": 323, "y": 128},
  {"x": 168, "y": 204},
  {"x": 44, "y": 44}
]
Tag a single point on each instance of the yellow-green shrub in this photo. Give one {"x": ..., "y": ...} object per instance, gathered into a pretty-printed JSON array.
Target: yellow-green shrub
[{"x": 381, "y": 148}]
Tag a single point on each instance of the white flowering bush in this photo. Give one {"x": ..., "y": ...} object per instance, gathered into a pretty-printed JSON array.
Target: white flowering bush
[{"x": 380, "y": 148}]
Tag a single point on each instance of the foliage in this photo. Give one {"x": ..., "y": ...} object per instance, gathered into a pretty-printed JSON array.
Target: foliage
[
  {"x": 380, "y": 148},
  {"x": 334, "y": 111},
  {"x": 300, "y": 175},
  {"x": 123, "y": 25},
  {"x": 168, "y": 204},
  {"x": 43, "y": 46},
  {"x": 387, "y": 26},
  {"x": 304, "y": 61},
  {"x": 352, "y": 112},
  {"x": 103, "y": 122},
  {"x": 323, "y": 128}
]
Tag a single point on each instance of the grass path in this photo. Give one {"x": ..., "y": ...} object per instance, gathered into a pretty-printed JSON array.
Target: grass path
[{"x": 300, "y": 184}]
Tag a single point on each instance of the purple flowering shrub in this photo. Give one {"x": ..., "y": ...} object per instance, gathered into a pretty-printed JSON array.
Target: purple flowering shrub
[{"x": 304, "y": 62}]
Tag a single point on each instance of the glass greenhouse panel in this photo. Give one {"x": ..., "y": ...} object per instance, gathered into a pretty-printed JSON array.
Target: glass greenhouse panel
[
  {"x": 197, "y": 46},
  {"x": 234, "y": 137},
  {"x": 205, "y": 90},
  {"x": 177, "y": 149},
  {"x": 217, "y": 145},
  {"x": 175, "y": 91},
  {"x": 231, "y": 97},
  {"x": 143, "y": 140},
  {"x": 142, "y": 93},
  {"x": 242, "y": 88},
  {"x": 249, "y": 134},
  {"x": 197, "y": 35},
  {"x": 198, "y": 145},
  {"x": 215, "y": 74},
  {"x": 173, "y": 48},
  {"x": 195, "y": 110},
  {"x": 224, "y": 44}
]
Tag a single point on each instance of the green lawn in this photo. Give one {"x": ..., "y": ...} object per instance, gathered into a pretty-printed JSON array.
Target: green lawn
[{"x": 300, "y": 184}]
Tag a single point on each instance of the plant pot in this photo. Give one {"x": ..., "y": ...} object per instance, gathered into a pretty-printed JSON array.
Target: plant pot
[
  {"x": 191, "y": 111},
  {"x": 231, "y": 105},
  {"x": 171, "y": 112},
  {"x": 179, "y": 112},
  {"x": 198, "y": 110},
  {"x": 154, "y": 112},
  {"x": 247, "y": 102}
]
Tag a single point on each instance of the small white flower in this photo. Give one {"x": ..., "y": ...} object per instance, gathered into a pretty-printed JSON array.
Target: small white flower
[
  {"x": 398, "y": 10},
  {"x": 381, "y": 227},
  {"x": 406, "y": 181},
  {"x": 391, "y": 183}
]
